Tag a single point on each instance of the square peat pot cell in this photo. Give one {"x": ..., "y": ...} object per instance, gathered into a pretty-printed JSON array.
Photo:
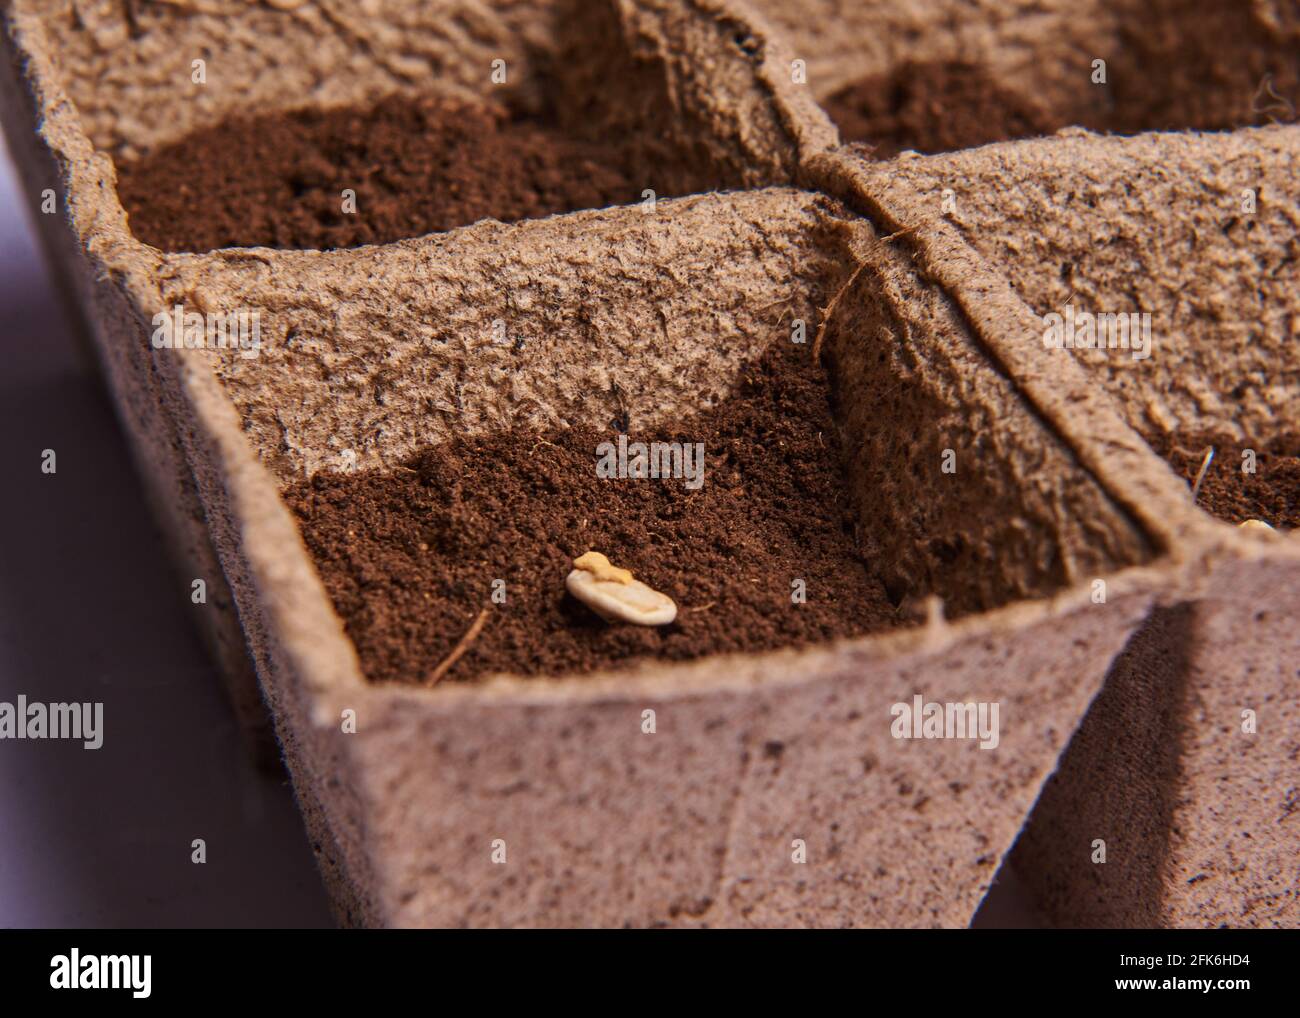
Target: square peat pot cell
[
  {"x": 315, "y": 127},
  {"x": 896, "y": 590},
  {"x": 1154, "y": 279},
  {"x": 939, "y": 76}
]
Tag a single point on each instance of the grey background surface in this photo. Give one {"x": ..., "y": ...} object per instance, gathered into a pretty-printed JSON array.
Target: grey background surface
[{"x": 91, "y": 612}]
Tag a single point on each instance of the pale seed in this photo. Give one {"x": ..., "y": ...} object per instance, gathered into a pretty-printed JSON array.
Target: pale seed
[{"x": 615, "y": 595}]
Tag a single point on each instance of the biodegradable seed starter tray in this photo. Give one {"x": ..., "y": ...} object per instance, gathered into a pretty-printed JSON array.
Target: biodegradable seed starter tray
[{"x": 633, "y": 496}]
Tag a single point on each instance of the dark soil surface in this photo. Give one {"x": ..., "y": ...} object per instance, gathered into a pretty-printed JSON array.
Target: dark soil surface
[
  {"x": 1271, "y": 493},
  {"x": 415, "y": 166},
  {"x": 409, "y": 556}
]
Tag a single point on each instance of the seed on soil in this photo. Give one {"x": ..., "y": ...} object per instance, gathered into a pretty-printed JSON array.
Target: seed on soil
[
  {"x": 1256, "y": 527},
  {"x": 791, "y": 515},
  {"x": 615, "y": 595}
]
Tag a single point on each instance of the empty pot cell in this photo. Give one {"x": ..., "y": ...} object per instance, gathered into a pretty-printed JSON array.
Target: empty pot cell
[
  {"x": 936, "y": 75},
  {"x": 1168, "y": 268},
  {"x": 240, "y": 125}
]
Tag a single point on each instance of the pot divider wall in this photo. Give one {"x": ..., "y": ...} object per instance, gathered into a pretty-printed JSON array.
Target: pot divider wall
[
  {"x": 1184, "y": 768},
  {"x": 1199, "y": 231},
  {"x": 369, "y": 355},
  {"x": 983, "y": 504}
]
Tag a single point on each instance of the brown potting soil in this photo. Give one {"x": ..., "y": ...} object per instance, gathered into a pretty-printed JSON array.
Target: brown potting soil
[
  {"x": 416, "y": 166},
  {"x": 409, "y": 556},
  {"x": 931, "y": 108},
  {"x": 938, "y": 107},
  {"x": 1271, "y": 493}
]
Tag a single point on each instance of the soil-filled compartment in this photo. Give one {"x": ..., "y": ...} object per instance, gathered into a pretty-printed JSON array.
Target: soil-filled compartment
[
  {"x": 1174, "y": 65},
  {"x": 756, "y": 543},
  {"x": 339, "y": 178}
]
